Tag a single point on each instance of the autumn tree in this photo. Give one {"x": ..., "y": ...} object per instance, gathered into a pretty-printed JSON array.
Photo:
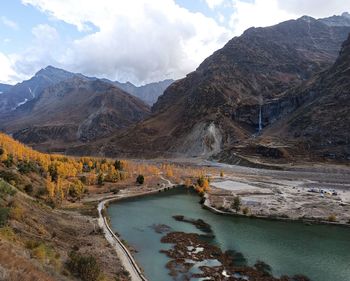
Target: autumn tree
[
  {"x": 50, "y": 187},
  {"x": 76, "y": 189},
  {"x": 188, "y": 182}
]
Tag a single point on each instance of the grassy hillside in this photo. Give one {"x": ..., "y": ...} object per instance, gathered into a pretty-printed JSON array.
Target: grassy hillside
[
  {"x": 42, "y": 239},
  {"x": 48, "y": 226}
]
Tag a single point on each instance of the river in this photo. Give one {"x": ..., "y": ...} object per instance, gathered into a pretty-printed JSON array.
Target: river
[{"x": 321, "y": 252}]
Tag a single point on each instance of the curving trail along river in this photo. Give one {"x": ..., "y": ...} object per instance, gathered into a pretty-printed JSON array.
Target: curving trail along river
[{"x": 321, "y": 252}]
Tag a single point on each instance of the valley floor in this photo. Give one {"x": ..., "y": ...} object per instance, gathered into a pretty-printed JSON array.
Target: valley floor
[{"x": 316, "y": 192}]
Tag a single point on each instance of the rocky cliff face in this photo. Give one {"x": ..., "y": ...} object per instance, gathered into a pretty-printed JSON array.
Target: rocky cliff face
[
  {"x": 74, "y": 110},
  {"x": 238, "y": 89},
  {"x": 256, "y": 67},
  {"x": 321, "y": 125}
]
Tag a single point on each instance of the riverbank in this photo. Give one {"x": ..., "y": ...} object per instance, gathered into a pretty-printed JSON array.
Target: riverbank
[
  {"x": 144, "y": 221},
  {"x": 122, "y": 251},
  {"x": 309, "y": 221},
  {"x": 267, "y": 195},
  {"x": 313, "y": 195}
]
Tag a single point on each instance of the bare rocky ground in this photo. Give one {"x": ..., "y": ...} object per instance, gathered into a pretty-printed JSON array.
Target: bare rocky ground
[
  {"x": 279, "y": 191},
  {"x": 294, "y": 192}
]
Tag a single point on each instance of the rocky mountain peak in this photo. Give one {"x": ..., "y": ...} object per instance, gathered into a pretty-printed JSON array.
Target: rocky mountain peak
[
  {"x": 307, "y": 18},
  {"x": 345, "y": 14},
  {"x": 238, "y": 90},
  {"x": 54, "y": 74},
  {"x": 336, "y": 20}
]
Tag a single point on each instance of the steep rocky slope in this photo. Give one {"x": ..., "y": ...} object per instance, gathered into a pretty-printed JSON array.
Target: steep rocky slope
[
  {"x": 343, "y": 20},
  {"x": 21, "y": 93},
  {"x": 224, "y": 102},
  {"x": 4, "y": 88},
  {"x": 322, "y": 124},
  {"x": 74, "y": 110}
]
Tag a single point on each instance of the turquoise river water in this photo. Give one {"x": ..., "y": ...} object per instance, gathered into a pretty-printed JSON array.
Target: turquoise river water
[{"x": 321, "y": 252}]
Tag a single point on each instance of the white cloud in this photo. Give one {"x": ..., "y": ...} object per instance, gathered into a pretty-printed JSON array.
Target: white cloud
[
  {"x": 146, "y": 40},
  {"x": 45, "y": 32},
  {"x": 212, "y": 4},
  {"x": 46, "y": 48},
  {"x": 9, "y": 23},
  {"x": 7, "y": 73},
  {"x": 259, "y": 13},
  {"x": 137, "y": 40},
  {"x": 315, "y": 8},
  {"x": 221, "y": 18}
]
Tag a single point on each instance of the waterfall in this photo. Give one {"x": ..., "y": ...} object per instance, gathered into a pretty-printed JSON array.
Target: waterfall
[{"x": 260, "y": 118}]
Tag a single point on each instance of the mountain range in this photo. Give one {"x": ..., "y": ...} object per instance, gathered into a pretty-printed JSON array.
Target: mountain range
[
  {"x": 57, "y": 107},
  {"x": 273, "y": 92},
  {"x": 237, "y": 93}
]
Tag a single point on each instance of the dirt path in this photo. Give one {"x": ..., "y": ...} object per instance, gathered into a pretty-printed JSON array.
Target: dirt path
[{"x": 123, "y": 253}]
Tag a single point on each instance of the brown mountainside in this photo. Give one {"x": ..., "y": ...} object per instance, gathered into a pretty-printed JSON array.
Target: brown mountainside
[
  {"x": 74, "y": 110},
  {"x": 322, "y": 124},
  {"x": 221, "y": 103}
]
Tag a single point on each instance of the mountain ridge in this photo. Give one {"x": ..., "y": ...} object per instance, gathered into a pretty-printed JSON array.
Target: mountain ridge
[
  {"x": 74, "y": 110},
  {"x": 218, "y": 104}
]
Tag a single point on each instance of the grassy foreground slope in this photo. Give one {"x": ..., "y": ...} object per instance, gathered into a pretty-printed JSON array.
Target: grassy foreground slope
[
  {"x": 48, "y": 225},
  {"x": 40, "y": 237}
]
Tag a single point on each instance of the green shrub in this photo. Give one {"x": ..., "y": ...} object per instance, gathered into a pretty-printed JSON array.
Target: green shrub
[
  {"x": 6, "y": 189},
  {"x": 140, "y": 179},
  {"x": 41, "y": 192},
  {"x": 84, "y": 267},
  {"x": 332, "y": 218},
  {"x": 25, "y": 167},
  {"x": 236, "y": 204},
  {"x": 4, "y": 214},
  {"x": 9, "y": 176},
  {"x": 28, "y": 189},
  {"x": 83, "y": 179},
  {"x": 8, "y": 233},
  {"x": 53, "y": 172},
  {"x": 245, "y": 210},
  {"x": 100, "y": 179},
  {"x": 9, "y": 161},
  {"x": 42, "y": 252},
  {"x": 16, "y": 213},
  {"x": 118, "y": 165}
]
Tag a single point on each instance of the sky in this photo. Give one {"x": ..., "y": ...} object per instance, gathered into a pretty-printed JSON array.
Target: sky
[{"x": 140, "y": 41}]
